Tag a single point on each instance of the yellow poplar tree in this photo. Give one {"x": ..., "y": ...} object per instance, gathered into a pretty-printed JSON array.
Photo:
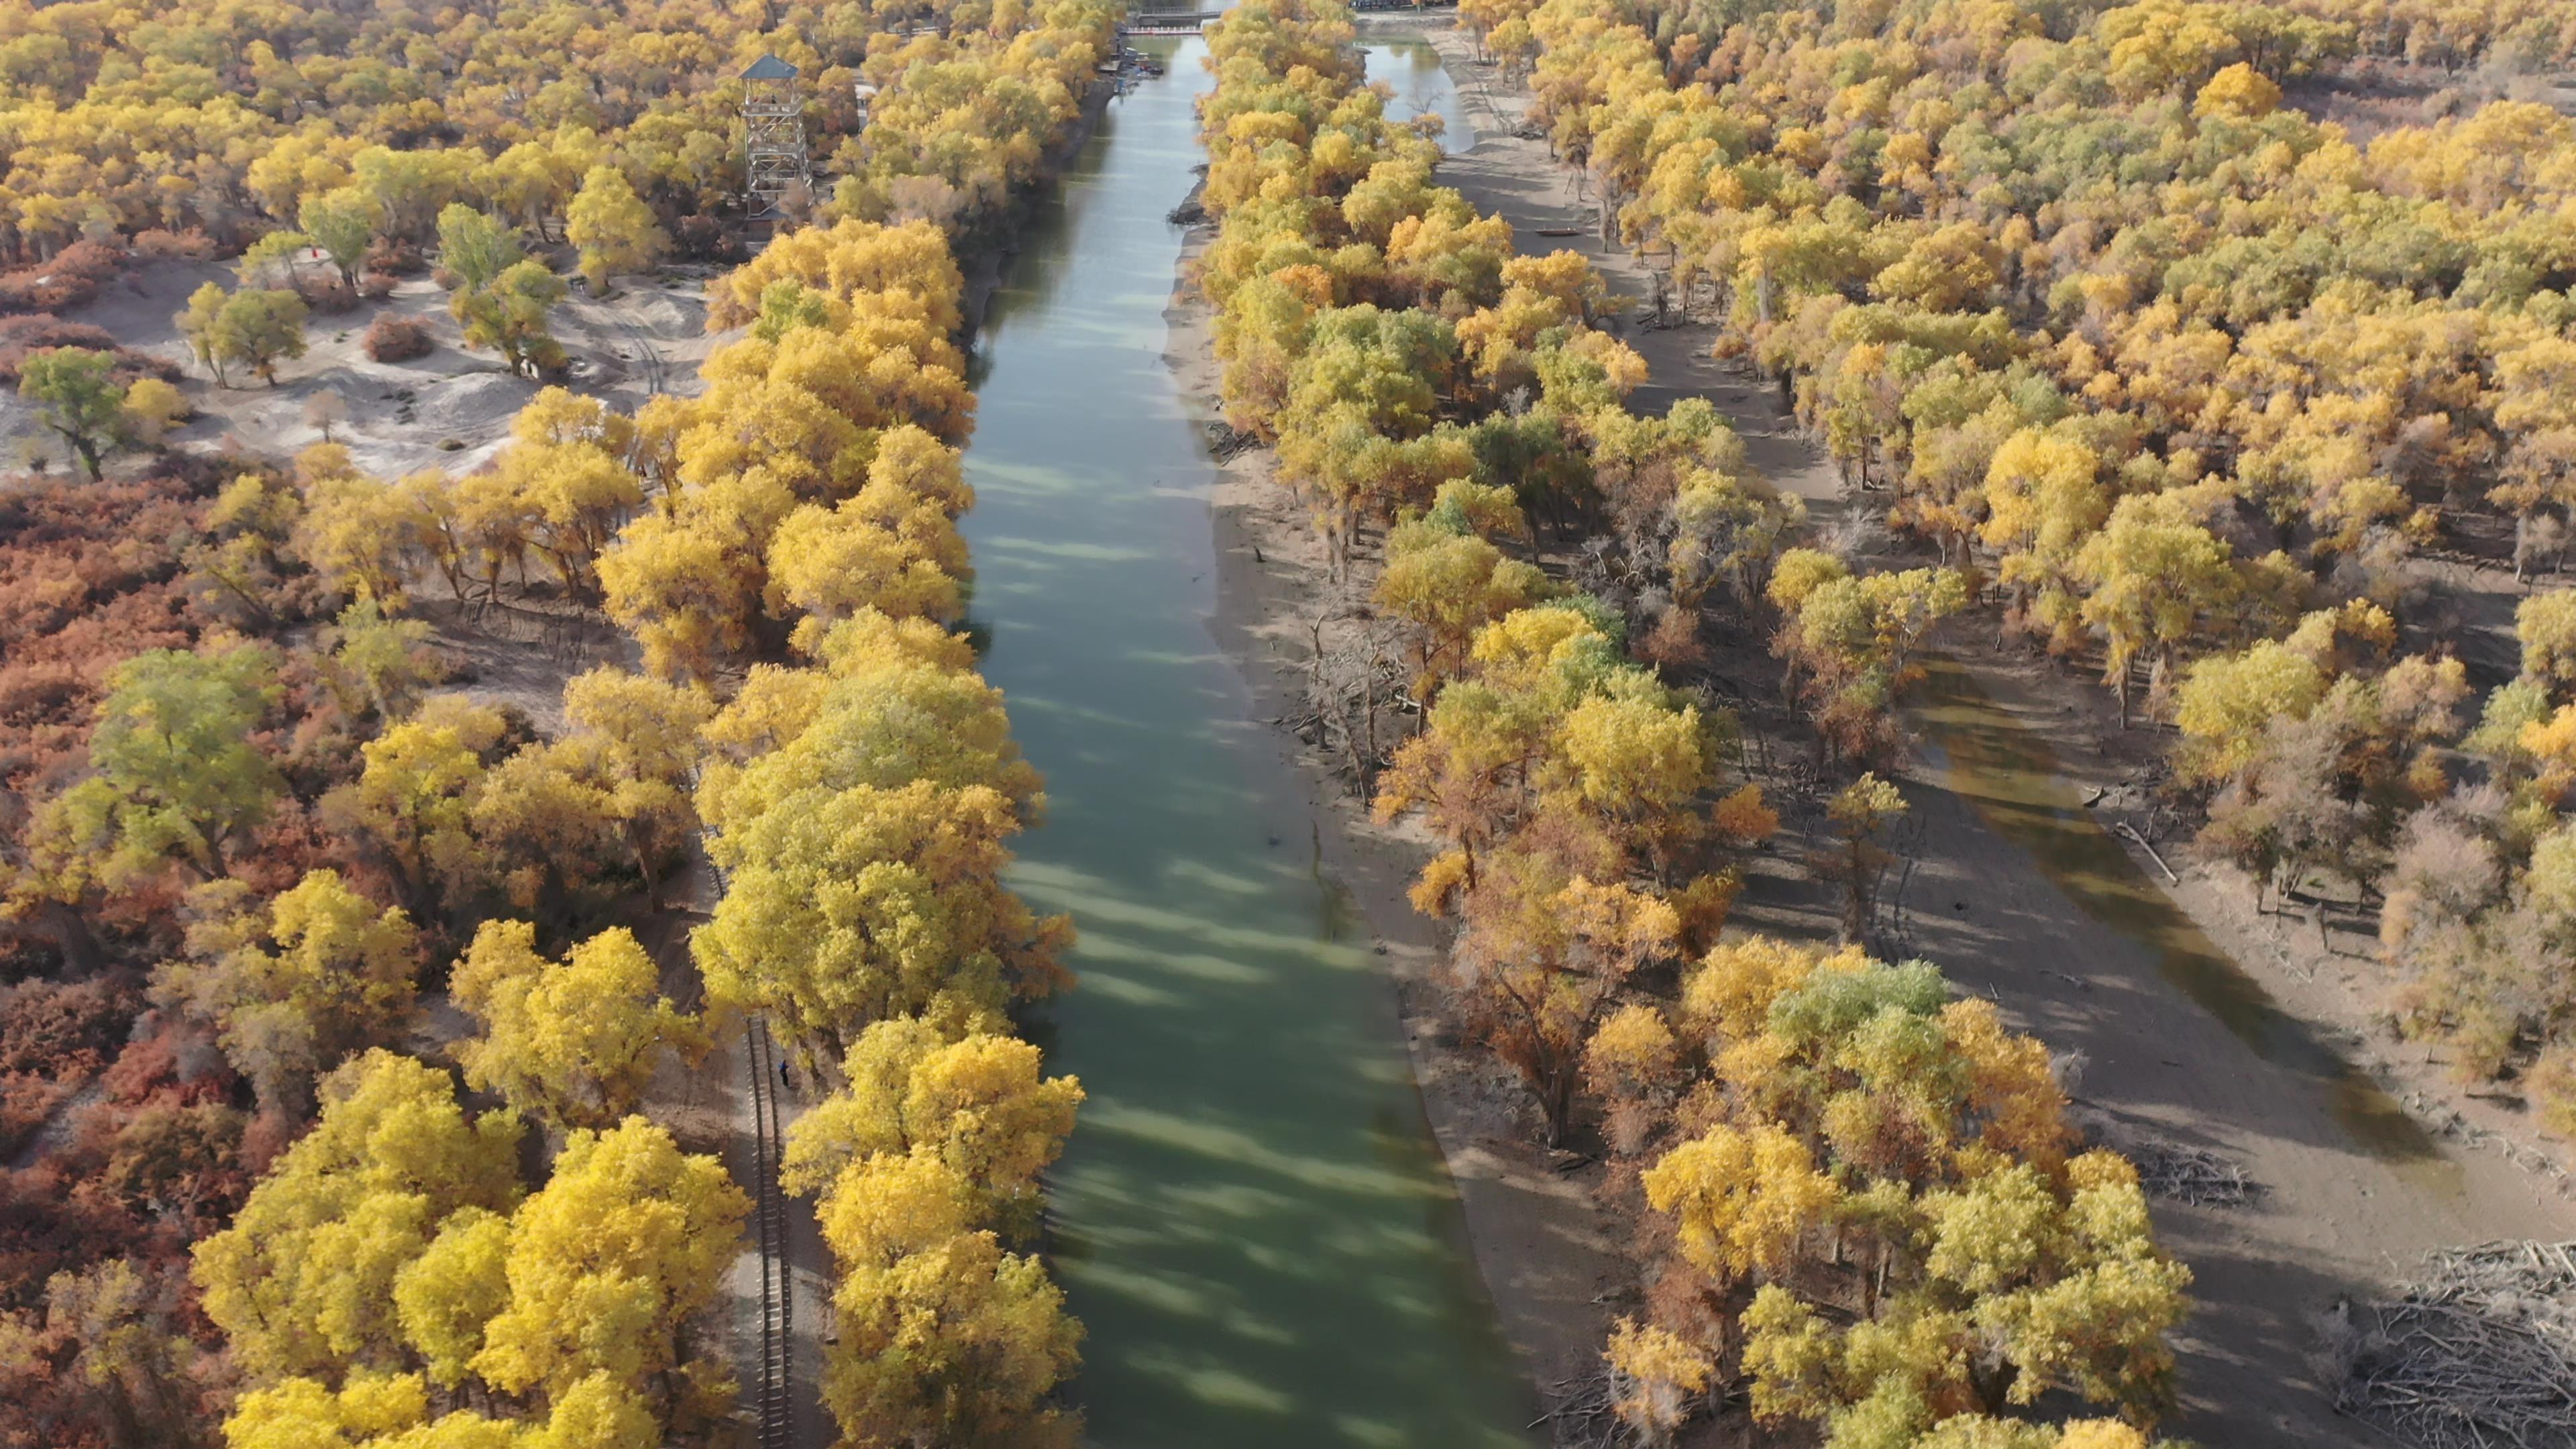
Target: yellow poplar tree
[
  {"x": 303, "y": 1281},
  {"x": 575, "y": 1041},
  {"x": 628, "y": 1239}
]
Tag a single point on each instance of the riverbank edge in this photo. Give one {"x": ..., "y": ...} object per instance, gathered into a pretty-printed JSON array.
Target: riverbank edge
[
  {"x": 1542, "y": 1247},
  {"x": 987, "y": 265}
]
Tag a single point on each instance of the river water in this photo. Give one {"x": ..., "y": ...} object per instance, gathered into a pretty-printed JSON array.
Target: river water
[
  {"x": 2009, "y": 777},
  {"x": 1252, "y": 1219}
]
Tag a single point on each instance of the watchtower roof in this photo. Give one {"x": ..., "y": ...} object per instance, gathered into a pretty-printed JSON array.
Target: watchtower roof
[{"x": 770, "y": 67}]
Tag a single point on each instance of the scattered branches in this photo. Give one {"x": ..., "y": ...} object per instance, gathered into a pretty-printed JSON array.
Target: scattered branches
[{"x": 2479, "y": 1353}]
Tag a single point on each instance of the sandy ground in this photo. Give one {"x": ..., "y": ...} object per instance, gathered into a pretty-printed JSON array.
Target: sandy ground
[{"x": 448, "y": 410}]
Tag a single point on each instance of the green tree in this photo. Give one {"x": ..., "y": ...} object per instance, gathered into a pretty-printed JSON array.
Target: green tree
[
  {"x": 475, "y": 247},
  {"x": 613, "y": 227},
  {"x": 258, "y": 328},
  {"x": 293, "y": 987},
  {"x": 77, "y": 395},
  {"x": 342, "y": 223},
  {"x": 178, "y": 775},
  {"x": 272, "y": 258},
  {"x": 501, "y": 296},
  {"x": 197, "y": 323},
  {"x": 2157, "y": 579},
  {"x": 509, "y": 317}
]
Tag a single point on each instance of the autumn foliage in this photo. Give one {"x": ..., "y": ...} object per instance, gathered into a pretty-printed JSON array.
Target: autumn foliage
[{"x": 1851, "y": 1179}]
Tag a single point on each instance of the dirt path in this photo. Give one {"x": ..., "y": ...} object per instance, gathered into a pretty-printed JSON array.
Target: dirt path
[
  {"x": 2105, "y": 964},
  {"x": 711, "y": 1109}
]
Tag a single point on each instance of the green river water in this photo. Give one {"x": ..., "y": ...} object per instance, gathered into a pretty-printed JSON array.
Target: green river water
[{"x": 1252, "y": 1219}]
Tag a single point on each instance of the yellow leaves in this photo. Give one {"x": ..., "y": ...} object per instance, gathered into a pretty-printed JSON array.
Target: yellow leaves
[
  {"x": 882, "y": 1208},
  {"x": 1743, "y": 819},
  {"x": 1994, "y": 1232},
  {"x": 1616, "y": 923},
  {"x": 829, "y": 563},
  {"x": 2545, "y": 623},
  {"x": 1634, "y": 756},
  {"x": 613, "y": 227},
  {"x": 910, "y": 261},
  {"x": 881, "y": 720},
  {"x": 1799, "y": 573},
  {"x": 388, "y": 1235},
  {"x": 1728, "y": 996},
  {"x": 2225, "y": 703},
  {"x": 455, "y": 1286},
  {"x": 623, "y": 1244},
  {"x": 1953, "y": 269},
  {"x": 892, "y": 546},
  {"x": 304, "y": 1278},
  {"x": 977, "y": 1104},
  {"x": 1433, "y": 892},
  {"x": 577, "y": 1041},
  {"x": 2010, "y": 1085},
  {"x": 685, "y": 589},
  {"x": 944, "y": 1337},
  {"x": 1657, "y": 1372},
  {"x": 848, "y": 906},
  {"x": 2042, "y": 492},
  {"x": 359, "y": 533},
  {"x": 2157, "y": 577},
  {"x": 339, "y": 972},
  {"x": 1631, "y": 1053},
  {"x": 302, "y": 1414},
  {"x": 415, "y": 794},
  {"x": 1742, "y": 1201}
]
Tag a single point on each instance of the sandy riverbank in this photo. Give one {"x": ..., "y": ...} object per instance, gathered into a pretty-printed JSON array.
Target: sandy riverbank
[
  {"x": 2334, "y": 1218},
  {"x": 1544, "y": 1250}
]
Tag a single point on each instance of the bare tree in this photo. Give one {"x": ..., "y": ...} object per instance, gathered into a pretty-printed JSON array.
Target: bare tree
[{"x": 325, "y": 410}]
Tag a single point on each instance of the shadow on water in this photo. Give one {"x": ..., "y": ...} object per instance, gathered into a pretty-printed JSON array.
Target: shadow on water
[
  {"x": 1252, "y": 1219},
  {"x": 2009, "y": 777}
]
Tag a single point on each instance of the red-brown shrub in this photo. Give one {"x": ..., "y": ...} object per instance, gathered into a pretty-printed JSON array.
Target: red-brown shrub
[
  {"x": 376, "y": 286},
  {"x": 20, "y": 336},
  {"x": 326, "y": 294},
  {"x": 90, "y": 574},
  {"x": 704, "y": 239},
  {"x": 397, "y": 339},
  {"x": 71, "y": 277},
  {"x": 191, "y": 245},
  {"x": 392, "y": 256}
]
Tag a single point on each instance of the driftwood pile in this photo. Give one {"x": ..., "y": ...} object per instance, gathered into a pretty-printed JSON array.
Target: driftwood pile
[
  {"x": 2480, "y": 1354},
  {"x": 2167, "y": 1169},
  {"x": 2443, "y": 1121},
  {"x": 1580, "y": 1414},
  {"x": 1225, "y": 440},
  {"x": 1355, "y": 695},
  {"x": 2193, "y": 1175}
]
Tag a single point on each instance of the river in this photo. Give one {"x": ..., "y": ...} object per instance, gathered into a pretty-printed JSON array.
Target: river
[{"x": 1252, "y": 1219}]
